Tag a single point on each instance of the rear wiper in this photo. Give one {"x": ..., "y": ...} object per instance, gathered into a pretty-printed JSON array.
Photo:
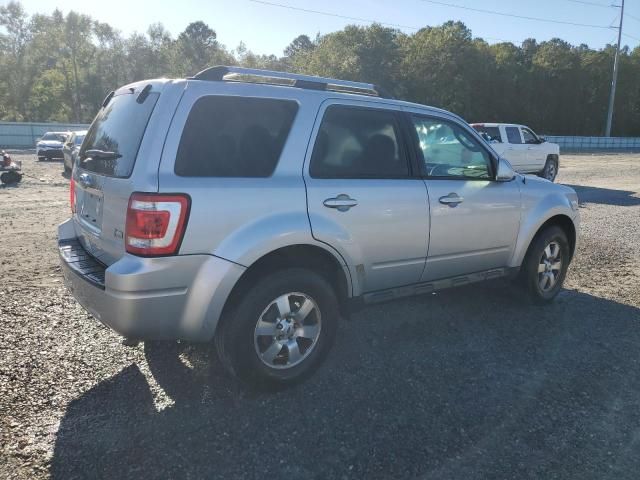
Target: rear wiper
[{"x": 101, "y": 155}]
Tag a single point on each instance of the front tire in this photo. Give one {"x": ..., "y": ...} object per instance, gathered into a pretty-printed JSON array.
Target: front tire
[
  {"x": 279, "y": 331},
  {"x": 550, "y": 170},
  {"x": 545, "y": 265}
]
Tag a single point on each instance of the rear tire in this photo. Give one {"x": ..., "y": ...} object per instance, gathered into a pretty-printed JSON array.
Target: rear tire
[
  {"x": 545, "y": 265},
  {"x": 9, "y": 178},
  {"x": 280, "y": 330},
  {"x": 550, "y": 170}
]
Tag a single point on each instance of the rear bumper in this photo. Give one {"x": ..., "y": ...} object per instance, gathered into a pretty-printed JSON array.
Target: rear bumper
[{"x": 165, "y": 298}]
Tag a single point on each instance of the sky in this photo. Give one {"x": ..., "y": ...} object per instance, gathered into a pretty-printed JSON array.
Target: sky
[{"x": 268, "y": 29}]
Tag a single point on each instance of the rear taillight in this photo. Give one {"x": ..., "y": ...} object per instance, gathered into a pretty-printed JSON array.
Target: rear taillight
[
  {"x": 156, "y": 223},
  {"x": 72, "y": 195}
]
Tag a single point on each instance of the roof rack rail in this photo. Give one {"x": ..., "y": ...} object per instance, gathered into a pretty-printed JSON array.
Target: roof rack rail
[{"x": 253, "y": 75}]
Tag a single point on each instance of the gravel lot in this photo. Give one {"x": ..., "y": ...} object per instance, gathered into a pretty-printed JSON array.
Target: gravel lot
[{"x": 468, "y": 383}]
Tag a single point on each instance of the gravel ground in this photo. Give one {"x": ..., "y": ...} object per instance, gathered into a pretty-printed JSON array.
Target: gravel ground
[{"x": 468, "y": 383}]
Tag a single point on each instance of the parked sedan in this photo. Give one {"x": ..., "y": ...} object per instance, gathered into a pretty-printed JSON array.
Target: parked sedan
[
  {"x": 50, "y": 145},
  {"x": 71, "y": 148}
]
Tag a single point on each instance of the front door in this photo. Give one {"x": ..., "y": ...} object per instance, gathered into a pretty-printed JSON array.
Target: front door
[
  {"x": 536, "y": 157},
  {"x": 361, "y": 197},
  {"x": 474, "y": 219}
]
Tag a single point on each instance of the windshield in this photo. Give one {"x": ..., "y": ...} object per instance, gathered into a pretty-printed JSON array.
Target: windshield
[
  {"x": 56, "y": 137},
  {"x": 116, "y": 133}
]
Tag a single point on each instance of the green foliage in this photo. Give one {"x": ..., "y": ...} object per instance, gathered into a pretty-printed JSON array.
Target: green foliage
[{"x": 59, "y": 68}]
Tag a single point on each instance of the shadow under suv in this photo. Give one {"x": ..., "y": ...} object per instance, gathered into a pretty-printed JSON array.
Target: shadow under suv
[{"x": 254, "y": 208}]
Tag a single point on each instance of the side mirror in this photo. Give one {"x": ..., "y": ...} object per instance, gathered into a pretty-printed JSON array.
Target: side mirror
[
  {"x": 505, "y": 171},
  {"x": 541, "y": 139}
]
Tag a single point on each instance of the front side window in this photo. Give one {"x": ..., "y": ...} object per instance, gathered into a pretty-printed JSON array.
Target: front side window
[
  {"x": 449, "y": 151},
  {"x": 355, "y": 142},
  {"x": 528, "y": 136},
  {"x": 513, "y": 135},
  {"x": 234, "y": 136}
]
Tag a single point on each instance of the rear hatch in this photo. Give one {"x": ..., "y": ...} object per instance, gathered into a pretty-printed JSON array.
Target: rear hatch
[{"x": 103, "y": 179}]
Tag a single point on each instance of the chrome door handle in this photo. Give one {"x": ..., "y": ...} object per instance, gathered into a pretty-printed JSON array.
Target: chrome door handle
[
  {"x": 342, "y": 202},
  {"x": 452, "y": 199}
]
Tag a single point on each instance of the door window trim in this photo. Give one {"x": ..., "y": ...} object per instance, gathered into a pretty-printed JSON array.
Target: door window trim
[
  {"x": 401, "y": 138},
  {"x": 418, "y": 156}
]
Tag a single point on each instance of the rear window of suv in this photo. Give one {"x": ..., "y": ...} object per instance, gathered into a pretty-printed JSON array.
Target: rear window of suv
[
  {"x": 114, "y": 137},
  {"x": 228, "y": 136}
]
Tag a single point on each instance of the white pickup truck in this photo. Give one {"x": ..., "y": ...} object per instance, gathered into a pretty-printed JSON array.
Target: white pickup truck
[{"x": 526, "y": 151}]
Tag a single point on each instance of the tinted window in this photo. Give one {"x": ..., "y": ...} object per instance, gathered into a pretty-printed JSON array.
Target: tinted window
[
  {"x": 358, "y": 143},
  {"x": 234, "y": 137},
  {"x": 492, "y": 133},
  {"x": 448, "y": 150},
  {"x": 78, "y": 140},
  {"x": 113, "y": 140},
  {"x": 528, "y": 136},
  {"x": 513, "y": 135}
]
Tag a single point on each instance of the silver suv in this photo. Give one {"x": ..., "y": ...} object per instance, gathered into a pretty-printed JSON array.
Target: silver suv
[{"x": 257, "y": 208}]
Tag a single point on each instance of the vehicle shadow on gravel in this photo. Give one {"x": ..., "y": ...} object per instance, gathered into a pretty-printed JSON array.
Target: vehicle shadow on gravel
[
  {"x": 469, "y": 383},
  {"x": 606, "y": 196}
]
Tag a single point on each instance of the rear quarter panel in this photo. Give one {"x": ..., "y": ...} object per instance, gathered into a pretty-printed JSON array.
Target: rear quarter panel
[{"x": 243, "y": 219}]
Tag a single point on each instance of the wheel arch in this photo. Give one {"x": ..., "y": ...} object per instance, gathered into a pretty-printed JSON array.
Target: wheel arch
[
  {"x": 565, "y": 223},
  {"x": 312, "y": 257}
]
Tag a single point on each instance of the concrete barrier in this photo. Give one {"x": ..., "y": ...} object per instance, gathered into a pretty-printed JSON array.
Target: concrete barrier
[{"x": 25, "y": 134}]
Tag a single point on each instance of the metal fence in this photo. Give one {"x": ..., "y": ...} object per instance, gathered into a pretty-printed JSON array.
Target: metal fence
[
  {"x": 584, "y": 144},
  {"x": 25, "y": 135}
]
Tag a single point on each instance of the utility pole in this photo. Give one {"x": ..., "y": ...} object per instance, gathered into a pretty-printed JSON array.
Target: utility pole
[{"x": 616, "y": 62}]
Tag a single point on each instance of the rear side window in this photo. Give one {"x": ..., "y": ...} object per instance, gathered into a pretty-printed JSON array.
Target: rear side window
[
  {"x": 355, "y": 142},
  {"x": 492, "y": 133},
  {"x": 234, "y": 137},
  {"x": 513, "y": 135},
  {"x": 114, "y": 137}
]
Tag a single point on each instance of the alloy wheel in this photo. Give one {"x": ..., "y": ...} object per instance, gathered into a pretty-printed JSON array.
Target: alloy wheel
[
  {"x": 551, "y": 171},
  {"x": 287, "y": 331},
  {"x": 549, "y": 267}
]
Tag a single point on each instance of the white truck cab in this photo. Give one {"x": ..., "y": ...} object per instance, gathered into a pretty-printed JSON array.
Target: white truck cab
[{"x": 526, "y": 151}]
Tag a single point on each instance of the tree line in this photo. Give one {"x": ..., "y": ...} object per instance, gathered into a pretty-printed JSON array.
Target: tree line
[{"x": 59, "y": 67}]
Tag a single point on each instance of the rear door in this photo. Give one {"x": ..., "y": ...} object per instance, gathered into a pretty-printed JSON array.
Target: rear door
[
  {"x": 516, "y": 150},
  {"x": 105, "y": 178},
  {"x": 361, "y": 196}
]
